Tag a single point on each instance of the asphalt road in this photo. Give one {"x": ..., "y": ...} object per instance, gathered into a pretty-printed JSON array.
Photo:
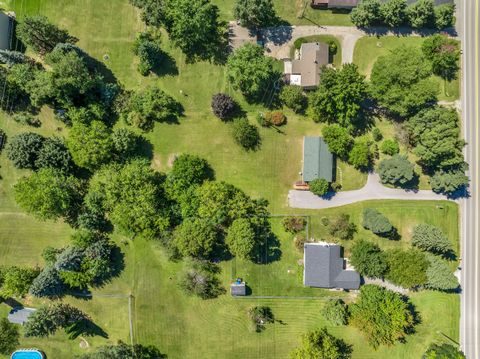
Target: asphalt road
[{"x": 468, "y": 21}]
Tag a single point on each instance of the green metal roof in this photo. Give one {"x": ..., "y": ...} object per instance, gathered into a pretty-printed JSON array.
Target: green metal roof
[{"x": 318, "y": 161}]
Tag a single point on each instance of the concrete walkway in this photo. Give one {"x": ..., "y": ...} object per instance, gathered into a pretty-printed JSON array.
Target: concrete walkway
[
  {"x": 385, "y": 284},
  {"x": 279, "y": 40},
  {"x": 373, "y": 190}
]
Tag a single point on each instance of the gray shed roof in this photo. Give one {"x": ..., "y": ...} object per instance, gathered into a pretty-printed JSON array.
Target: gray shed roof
[
  {"x": 19, "y": 315},
  {"x": 324, "y": 268},
  {"x": 6, "y": 31},
  {"x": 318, "y": 161},
  {"x": 238, "y": 289},
  {"x": 343, "y": 3}
]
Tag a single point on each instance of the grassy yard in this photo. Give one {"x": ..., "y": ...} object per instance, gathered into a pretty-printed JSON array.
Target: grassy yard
[{"x": 369, "y": 49}]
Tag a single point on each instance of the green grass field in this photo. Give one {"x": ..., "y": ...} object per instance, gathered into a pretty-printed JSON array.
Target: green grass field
[
  {"x": 369, "y": 49},
  {"x": 185, "y": 327}
]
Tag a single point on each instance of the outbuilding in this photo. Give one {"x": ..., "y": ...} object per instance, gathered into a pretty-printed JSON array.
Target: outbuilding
[
  {"x": 238, "y": 288},
  {"x": 6, "y": 31},
  {"x": 318, "y": 161}
]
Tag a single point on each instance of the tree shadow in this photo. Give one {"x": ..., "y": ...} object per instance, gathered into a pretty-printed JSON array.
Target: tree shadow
[
  {"x": 167, "y": 66},
  {"x": 269, "y": 251},
  {"x": 277, "y": 35},
  {"x": 85, "y": 327},
  {"x": 144, "y": 148}
]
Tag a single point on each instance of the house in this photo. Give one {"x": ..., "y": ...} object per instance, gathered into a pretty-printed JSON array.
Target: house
[
  {"x": 335, "y": 4},
  {"x": 20, "y": 315},
  {"x": 325, "y": 268},
  {"x": 6, "y": 31},
  {"x": 306, "y": 70},
  {"x": 238, "y": 288},
  {"x": 318, "y": 161}
]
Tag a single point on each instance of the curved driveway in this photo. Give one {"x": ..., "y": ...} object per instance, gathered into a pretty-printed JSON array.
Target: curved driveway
[{"x": 371, "y": 191}]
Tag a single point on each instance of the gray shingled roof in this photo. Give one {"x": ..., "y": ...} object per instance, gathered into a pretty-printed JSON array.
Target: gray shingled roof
[
  {"x": 324, "y": 268},
  {"x": 343, "y": 3},
  {"x": 6, "y": 28},
  {"x": 318, "y": 161},
  {"x": 313, "y": 56},
  {"x": 238, "y": 289}
]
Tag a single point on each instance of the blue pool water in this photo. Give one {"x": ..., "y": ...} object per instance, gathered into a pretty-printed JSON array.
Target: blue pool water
[{"x": 27, "y": 354}]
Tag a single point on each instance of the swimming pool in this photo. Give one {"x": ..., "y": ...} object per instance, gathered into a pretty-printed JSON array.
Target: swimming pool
[{"x": 27, "y": 354}]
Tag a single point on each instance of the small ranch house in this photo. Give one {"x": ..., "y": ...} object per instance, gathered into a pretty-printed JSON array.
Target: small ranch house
[
  {"x": 318, "y": 161},
  {"x": 306, "y": 70},
  {"x": 6, "y": 31},
  {"x": 325, "y": 268}
]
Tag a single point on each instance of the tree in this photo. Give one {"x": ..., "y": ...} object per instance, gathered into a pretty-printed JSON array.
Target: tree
[
  {"x": 150, "y": 105},
  {"x": 422, "y": 14},
  {"x": 195, "y": 238},
  {"x": 435, "y": 135},
  {"x": 241, "y": 238},
  {"x": 54, "y": 154},
  {"x": 321, "y": 344},
  {"x": 408, "y": 268},
  {"x": 319, "y": 186},
  {"x": 399, "y": 82},
  {"x": 382, "y": 315},
  {"x": 194, "y": 26},
  {"x": 91, "y": 145},
  {"x": 8, "y": 337},
  {"x": 430, "y": 238},
  {"x": 199, "y": 278},
  {"x": 23, "y": 149},
  {"x": 339, "y": 97},
  {"x": 338, "y": 139},
  {"x": 444, "y": 16},
  {"x": 125, "y": 143},
  {"x": 133, "y": 197},
  {"x": 124, "y": 351},
  {"x": 335, "y": 312},
  {"x": 444, "y": 55},
  {"x": 293, "y": 97},
  {"x": 377, "y": 222},
  {"x": 367, "y": 13},
  {"x": 390, "y": 147},
  {"x": 260, "y": 316},
  {"x": 16, "y": 281},
  {"x": 342, "y": 228},
  {"x": 42, "y": 36},
  {"x": 440, "y": 275},
  {"x": 251, "y": 72},
  {"x": 443, "y": 351},
  {"x": 360, "y": 156},
  {"x": 255, "y": 14},
  {"x": 47, "y": 320},
  {"x": 222, "y": 105},
  {"x": 397, "y": 171},
  {"x": 245, "y": 134},
  {"x": 394, "y": 12},
  {"x": 368, "y": 259},
  {"x": 148, "y": 51},
  {"x": 153, "y": 11},
  {"x": 449, "y": 182},
  {"x": 11, "y": 58},
  {"x": 48, "y": 194},
  {"x": 48, "y": 284}
]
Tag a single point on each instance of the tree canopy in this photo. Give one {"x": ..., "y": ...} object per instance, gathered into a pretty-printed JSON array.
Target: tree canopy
[
  {"x": 368, "y": 259},
  {"x": 443, "y": 351},
  {"x": 321, "y": 344},
  {"x": 339, "y": 97},
  {"x": 241, "y": 238},
  {"x": 422, "y": 14},
  {"x": 23, "y": 149},
  {"x": 407, "y": 268},
  {"x": 335, "y": 312},
  {"x": 9, "y": 336},
  {"x": 430, "y": 238},
  {"x": 293, "y": 97},
  {"x": 338, "y": 139},
  {"x": 377, "y": 222},
  {"x": 444, "y": 55},
  {"x": 397, "y": 171},
  {"x": 47, "y": 284},
  {"x": 439, "y": 274},
  {"x": 124, "y": 351},
  {"x": 15, "y": 281},
  {"x": 367, "y": 13},
  {"x": 382, "y": 315},
  {"x": 195, "y": 238},
  {"x": 394, "y": 12},
  {"x": 255, "y": 14},
  {"x": 245, "y": 134}
]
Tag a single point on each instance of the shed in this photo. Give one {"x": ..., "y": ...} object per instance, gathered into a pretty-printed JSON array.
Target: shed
[
  {"x": 318, "y": 161},
  {"x": 238, "y": 289},
  {"x": 335, "y": 4},
  {"x": 325, "y": 268},
  {"x": 6, "y": 31},
  {"x": 20, "y": 315}
]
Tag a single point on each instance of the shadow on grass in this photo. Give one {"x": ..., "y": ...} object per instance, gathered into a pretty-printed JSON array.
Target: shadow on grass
[{"x": 167, "y": 66}]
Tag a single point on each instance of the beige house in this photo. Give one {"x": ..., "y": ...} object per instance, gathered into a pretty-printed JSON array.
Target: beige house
[{"x": 306, "y": 70}]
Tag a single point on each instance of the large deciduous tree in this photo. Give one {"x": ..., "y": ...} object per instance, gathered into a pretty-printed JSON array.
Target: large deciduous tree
[
  {"x": 338, "y": 139},
  {"x": 444, "y": 54},
  {"x": 255, "y": 14},
  {"x": 196, "y": 238},
  {"x": 394, "y": 12},
  {"x": 407, "y": 268},
  {"x": 367, "y": 13},
  {"x": 443, "y": 351},
  {"x": 340, "y": 96},
  {"x": 368, "y": 259},
  {"x": 251, "y": 72},
  {"x": 41, "y": 35},
  {"x": 399, "y": 81},
  {"x": 422, "y": 14},
  {"x": 444, "y": 16},
  {"x": 15, "y": 281},
  {"x": 321, "y": 344},
  {"x": 241, "y": 238}
]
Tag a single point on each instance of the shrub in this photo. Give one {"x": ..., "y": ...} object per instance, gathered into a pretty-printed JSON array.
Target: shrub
[
  {"x": 9, "y": 336},
  {"x": 223, "y": 106},
  {"x": 25, "y": 118},
  {"x": 368, "y": 259},
  {"x": 245, "y": 134},
  {"x": 299, "y": 242},
  {"x": 319, "y": 186},
  {"x": 293, "y": 97},
  {"x": 377, "y": 222},
  {"x": 377, "y": 134},
  {"x": 262, "y": 121},
  {"x": 342, "y": 228},
  {"x": 276, "y": 118},
  {"x": 431, "y": 238},
  {"x": 260, "y": 316},
  {"x": 335, "y": 312},
  {"x": 294, "y": 224},
  {"x": 199, "y": 278},
  {"x": 23, "y": 149},
  {"x": 15, "y": 281},
  {"x": 332, "y": 47},
  {"x": 321, "y": 344},
  {"x": 47, "y": 284},
  {"x": 149, "y": 52},
  {"x": 390, "y": 147}
]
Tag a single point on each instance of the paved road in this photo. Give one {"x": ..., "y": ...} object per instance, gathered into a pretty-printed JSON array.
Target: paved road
[
  {"x": 470, "y": 279},
  {"x": 371, "y": 191}
]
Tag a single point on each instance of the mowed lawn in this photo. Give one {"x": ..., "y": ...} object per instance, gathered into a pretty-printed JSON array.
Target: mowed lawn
[{"x": 369, "y": 49}]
